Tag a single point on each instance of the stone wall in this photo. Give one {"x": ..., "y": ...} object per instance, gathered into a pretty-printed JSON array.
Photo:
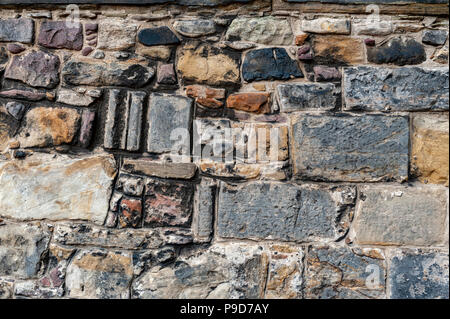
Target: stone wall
[{"x": 224, "y": 149}]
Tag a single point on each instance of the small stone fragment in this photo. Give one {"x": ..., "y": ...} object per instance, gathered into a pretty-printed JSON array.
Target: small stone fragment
[
  {"x": 434, "y": 37},
  {"x": 166, "y": 74},
  {"x": 15, "y": 48},
  {"x": 206, "y": 96},
  {"x": 130, "y": 213},
  {"x": 86, "y": 127},
  {"x": 249, "y": 102},
  {"x": 15, "y": 109},
  {"x": 324, "y": 73}
]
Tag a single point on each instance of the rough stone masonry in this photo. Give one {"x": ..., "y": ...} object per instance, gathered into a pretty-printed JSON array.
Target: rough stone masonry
[{"x": 224, "y": 149}]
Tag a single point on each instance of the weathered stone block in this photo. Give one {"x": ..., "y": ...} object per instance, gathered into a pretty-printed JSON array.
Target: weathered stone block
[
  {"x": 344, "y": 273},
  {"x": 222, "y": 271},
  {"x": 434, "y": 37},
  {"x": 204, "y": 210},
  {"x": 398, "y": 51},
  {"x": 99, "y": 274},
  {"x": 6, "y": 288},
  {"x": 265, "y": 30},
  {"x": 399, "y": 89},
  {"x": 338, "y": 50},
  {"x": 194, "y": 28},
  {"x": 399, "y": 215},
  {"x": 116, "y": 35},
  {"x": 430, "y": 148},
  {"x": 307, "y": 96},
  {"x": 269, "y": 64},
  {"x": 15, "y": 109},
  {"x": 326, "y": 25},
  {"x": 262, "y": 210},
  {"x": 250, "y": 102},
  {"x": 8, "y": 128},
  {"x": 206, "y": 96},
  {"x": 60, "y": 35},
  {"x": 16, "y": 30},
  {"x": 72, "y": 97},
  {"x": 157, "y": 36},
  {"x": 57, "y": 187},
  {"x": 418, "y": 274},
  {"x": 350, "y": 148},
  {"x": 160, "y": 169},
  {"x": 130, "y": 185},
  {"x": 36, "y": 68},
  {"x": 169, "y": 118},
  {"x": 22, "y": 247},
  {"x": 130, "y": 214}
]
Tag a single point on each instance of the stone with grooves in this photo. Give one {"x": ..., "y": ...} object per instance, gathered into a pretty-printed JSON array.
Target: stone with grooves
[
  {"x": 397, "y": 89},
  {"x": 57, "y": 187},
  {"x": 399, "y": 215},
  {"x": 306, "y": 96},
  {"x": 338, "y": 50},
  {"x": 168, "y": 115},
  {"x": 326, "y": 25},
  {"x": 194, "y": 28},
  {"x": 36, "y": 68},
  {"x": 264, "y": 30},
  {"x": 44, "y": 126},
  {"x": 206, "y": 96},
  {"x": 85, "y": 72},
  {"x": 160, "y": 169},
  {"x": 22, "y": 247},
  {"x": 206, "y": 64},
  {"x": 99, "y": 274},
  {"x": 418, "y": 274},
  {"x": 269, "y": 64},
  {"x": 275, "y": 211},
  {"x": 398, "y": 51},
  {"x": 435, "y": 37},
  {"x": 16, "y": 30},
  {"x": 249, "y": 102},
  {"x": 202, "y": 223},
  {"x": 222, "y": 271},
  {"x": 350, "y": 148},
  {"x": 60, "y": 35},
  {"x": 430, "y": 148},
  {"x": 157, "y": 36},
  {"x": 116, "y": 35},
  {"x": 344, "y": 273},
  {"x": 168, "y": 203}
]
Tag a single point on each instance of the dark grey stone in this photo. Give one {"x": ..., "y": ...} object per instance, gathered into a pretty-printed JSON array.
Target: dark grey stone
[
  {"x": 350, "y": 148},
  {"x": 157, "y": 36},
  {"x": 15, "y": 109},
  {"x": 275, "y": 211},
  {"x": 399, "y": 89},
  {"x": 16, "y": 30},
  {"x": 136, "y": 105},
  {"x": 307, "y": 96},
  {"x": 398, "y": 51},
  {"x": 419, "y": 275},
  {"x": 434, "y": 37},
  {"x": 204, "y": 210}
]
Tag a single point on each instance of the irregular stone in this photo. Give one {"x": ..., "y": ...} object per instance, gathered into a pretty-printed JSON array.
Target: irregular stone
[
  {"x": 194, "y": 28},
  {"x": 57, "y": 187},
  {"x": 275, "y": 211},
  {"x": 326, "y": 25},
  {"x": 378, "y": 27},
  {"x": 46, "y": 126},
  {"x": 418, "y": 274},
  {"x": 206, "y": 96},
  {"x": 78, "y": 72},
  {"x": 33, "y": 289},
  {"x": 3, "y": 58},
  {"x": 86, "y": 51},
  {"x": 369, "y": 42},
  {"x": 29, "y": 95},
  {"x": 86, "y": 127},
  {"x": 202, "y": 223},
  {"x": 6, "y": 288},
  {"x": 90, "y": 28},
  {"x": 231, "y": 170},
  {"x": 285, "y": 272},
  {"x": 206, "y": 64},
  {"x": 71, "y": 97},
  {"x": 15, "y": 48},
  {"x": 8, "y": 128},
  {"x": 441, "y": 55},
  {"x": 166, "y": 74},
  {"x": 350, "y": 148},
  {"x": 398, "y": 51},
  {"x": 168, "y": 114},
  {"x": 130, "y": 214},
  {"x": 338, "y": 50},
  {"x": 269, "y": 64},
  {"x": 61, "y": 35},
  {"x": 399, "y": 215},
  {"x": 116, "y": 35},
  {"x": 16, "y": 30},
  {"x": 22, "y": 247},
  {"x": 15, "y": 109},
  {"x": 324, "y": 73},
  {"x": 157, "y": 36},
  {"x": 303, "y": 49},
  {"x": 264, "y": 30},
  {"x": 222, "y": 271},
  {"x": 344, "y": 273},
  {"x": 239, "y": 45},
  {"x": 160, "y": 169},
  {"x": 99, "y": 274},
  {"x": 306, "y": 96},
  {"x": 155, "y": 52},
  {"x": 35, "y": 68},
  {"x": 249, "y": 102},
  {"x": 434, "y": 37},
  {"x": 98, "y": 55},
  {"x": 168, "y": 203},
  {"x": 130, "y": 185},
  {"x": 395, "y": 89},
  {"x": 430, "y": 148}
]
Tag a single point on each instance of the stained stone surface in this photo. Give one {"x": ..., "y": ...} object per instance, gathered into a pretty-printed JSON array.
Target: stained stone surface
[
  {"x": 16, "y": 30},
  {"x": 398, "y": 51},
  {"x": 306, "y": 96},
  {"x": 194, "y": 28},
  {"x": 60, "y": 35}
]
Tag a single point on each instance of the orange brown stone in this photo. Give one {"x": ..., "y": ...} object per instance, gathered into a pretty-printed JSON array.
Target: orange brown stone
[
  {"x": 206, "y": 96},
  {"x": 249, "y": 102}
]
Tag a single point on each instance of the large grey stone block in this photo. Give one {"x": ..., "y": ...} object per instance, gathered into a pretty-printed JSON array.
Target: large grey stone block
[
  {"x": 307, "y": 96},
  {"x": 16, "y": 30}
]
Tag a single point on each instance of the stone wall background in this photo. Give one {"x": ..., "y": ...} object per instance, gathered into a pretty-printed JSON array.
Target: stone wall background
[{"x": 354, "y": 206}]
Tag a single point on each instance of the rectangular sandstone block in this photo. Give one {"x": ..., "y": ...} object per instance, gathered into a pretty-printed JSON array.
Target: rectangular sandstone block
[
  {"x": 280, "y": 211},
  {"x": 401, "y": 215},
  {"x": 350, "y": 148}
]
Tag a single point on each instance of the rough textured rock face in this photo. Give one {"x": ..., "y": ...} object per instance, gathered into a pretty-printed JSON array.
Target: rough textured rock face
[{"x": 224, "y": 149}]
